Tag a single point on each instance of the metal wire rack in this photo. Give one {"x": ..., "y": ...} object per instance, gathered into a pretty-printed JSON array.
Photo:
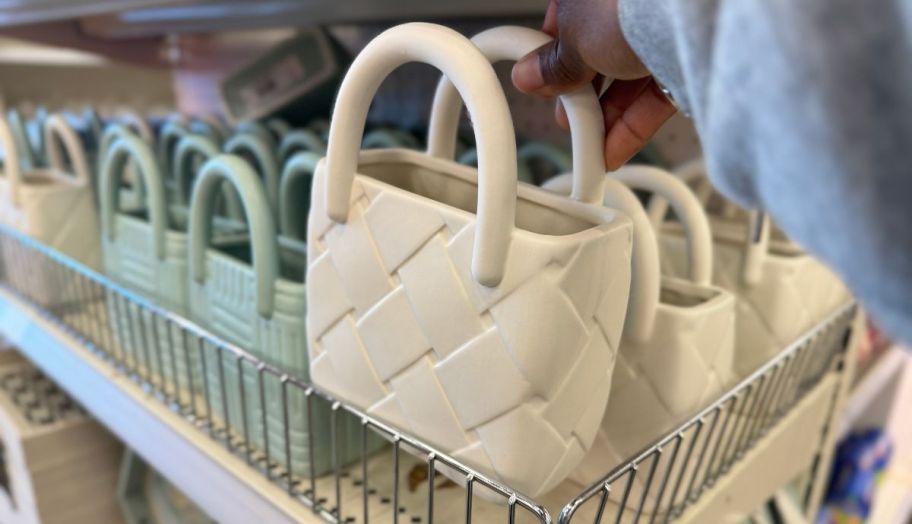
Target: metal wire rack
[
  {"x": 661, "y": 482},
  {"x": 369, "y": 471}
]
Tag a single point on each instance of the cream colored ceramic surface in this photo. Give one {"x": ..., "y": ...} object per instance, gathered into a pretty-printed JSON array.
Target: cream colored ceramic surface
[
  {"x": 493, "y": 342},
  {"x": 254, "y": 304},
  {"x": 782, "y": 292},
  {"x": 794, "y": 292},
  {"x": 685, "y": 359},
  {"x": 52, "y": 205}
]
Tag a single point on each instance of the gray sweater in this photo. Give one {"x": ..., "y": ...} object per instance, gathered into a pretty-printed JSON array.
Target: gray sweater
[{"x": 804, "y": 108}]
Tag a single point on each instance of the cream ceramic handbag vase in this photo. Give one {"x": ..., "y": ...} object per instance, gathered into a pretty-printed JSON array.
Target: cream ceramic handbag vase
[
  {"x": 677, "y": 351},
  {"x": 494, "y": 342},
  {"x": 144, "y": 254},
  {"x": 241, "y": 292},
  {"x": 54, "y": 205},
  {"x": 781, "y": 291}
]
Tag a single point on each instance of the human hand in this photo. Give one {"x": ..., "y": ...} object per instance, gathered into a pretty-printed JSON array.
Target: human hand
[{"x": 589, "y": 46}]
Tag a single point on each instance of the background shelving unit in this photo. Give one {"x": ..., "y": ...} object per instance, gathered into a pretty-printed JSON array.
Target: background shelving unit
[{"x": 163, "y": 38}]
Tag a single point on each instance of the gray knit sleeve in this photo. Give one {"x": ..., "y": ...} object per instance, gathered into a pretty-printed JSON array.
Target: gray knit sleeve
[
  {"x": 804, "y": 109},
  {"x": 647, "y": 26}
]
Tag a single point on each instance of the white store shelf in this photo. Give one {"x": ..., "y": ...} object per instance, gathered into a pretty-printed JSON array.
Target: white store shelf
[
  {"x": 781, "y": 455},
  {"x": 734, "y": 453},
  {"x": 870, "y": 400},
  {"x": 219, "y": 482}
]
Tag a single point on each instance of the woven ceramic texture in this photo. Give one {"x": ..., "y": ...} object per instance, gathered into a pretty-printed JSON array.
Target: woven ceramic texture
[
  {"x": 61, "y": 216},
  {"x": 54, "y": 207},
  {"x": 493, "y": 376},
  {"x": 225, "y": 305},
  {"x": 660, "y": 382},
  {"x": 795, "y": 293}
]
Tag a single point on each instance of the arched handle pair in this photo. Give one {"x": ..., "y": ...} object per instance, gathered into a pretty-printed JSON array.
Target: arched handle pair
[
  {"x": 686, "y": 206},
  {"x": 237, "y": 173},
  {"x": 645, "y": 287},
  {"x": 475, "y": 79},
  {"x": 125, "y": 149},
  {"x": 758, "y": 227},
  {"x": 583, "y": 112}
]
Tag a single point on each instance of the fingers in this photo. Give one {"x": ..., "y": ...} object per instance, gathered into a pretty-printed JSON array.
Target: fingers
[
  {"x": 551, "y": 70},
  {"x": 639, "y": 118}
]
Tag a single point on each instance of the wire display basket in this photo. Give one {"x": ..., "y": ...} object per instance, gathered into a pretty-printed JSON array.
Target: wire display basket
[{"x": 366, "y": 470}]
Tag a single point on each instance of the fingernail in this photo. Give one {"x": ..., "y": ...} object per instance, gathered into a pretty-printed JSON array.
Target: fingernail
[{"x": 527, "y": 75}]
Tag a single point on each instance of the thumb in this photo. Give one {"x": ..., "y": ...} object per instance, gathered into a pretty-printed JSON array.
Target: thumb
[{"x": 552, "y": 69}]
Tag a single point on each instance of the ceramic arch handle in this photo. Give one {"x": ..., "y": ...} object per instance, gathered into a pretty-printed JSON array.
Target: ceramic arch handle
[{"x": 475, "y": 79}]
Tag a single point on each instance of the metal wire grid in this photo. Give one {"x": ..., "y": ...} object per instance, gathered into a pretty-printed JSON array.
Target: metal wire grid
[
  {"x": 656, "y": 485},
  {"x": 89, "y": 306},
  {"x": 663, "y": 480}
]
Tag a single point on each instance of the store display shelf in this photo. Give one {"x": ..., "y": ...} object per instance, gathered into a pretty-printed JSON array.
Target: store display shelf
[
  {"x": 876, "y": 380},
  {"x": 109, "y": 349},
  {"x": 721, "y": 465},
  {"x": 131, "y": 18}
]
